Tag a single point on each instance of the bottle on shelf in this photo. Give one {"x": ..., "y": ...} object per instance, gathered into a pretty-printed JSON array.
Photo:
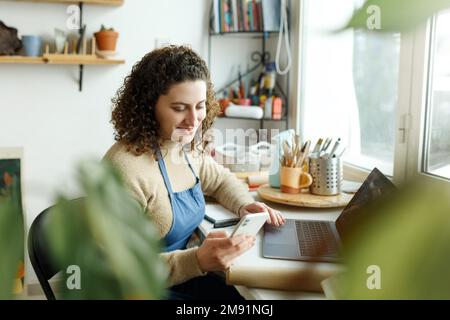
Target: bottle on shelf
[{"x": 269, "y": 78}]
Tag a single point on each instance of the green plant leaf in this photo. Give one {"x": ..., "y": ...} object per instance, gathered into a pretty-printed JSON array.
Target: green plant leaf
[
  {"x": 397, "y": 15},
  {"x": 11, "y": 238},
  {"x": 109, "y": 237},
  {"x": 409, "y": 241},
  {"x": 103, "y": 28}
]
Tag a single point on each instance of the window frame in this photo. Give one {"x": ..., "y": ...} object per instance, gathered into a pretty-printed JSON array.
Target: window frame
[
  {"x": 420, "y": 107},
  {"x": 412, "y": 102}
]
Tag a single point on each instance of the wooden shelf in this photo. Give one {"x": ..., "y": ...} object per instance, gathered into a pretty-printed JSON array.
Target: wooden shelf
[
  {"x": 21, "y": 59},
  {"x": 83, "y": 60},
  {"x": 252, "y": 119},
  {"x": 252, "y": 33},
  {"x": 68, "y": 60},
  {"x": 101, "y": 2}
]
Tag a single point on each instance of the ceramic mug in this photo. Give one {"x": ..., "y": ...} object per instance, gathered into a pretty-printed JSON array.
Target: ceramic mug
[
  {"x": 277, "y": 142},
  {"x": 292, "y": 180},
  {"x": 32, "y": 45}
]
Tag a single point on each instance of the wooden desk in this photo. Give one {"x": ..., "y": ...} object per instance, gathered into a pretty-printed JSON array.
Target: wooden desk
[{"x": 254, "y": 255}]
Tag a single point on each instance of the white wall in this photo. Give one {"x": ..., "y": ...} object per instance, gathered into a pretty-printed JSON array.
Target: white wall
[
  {"x": 41, "y": 108},
  {"x": 43, "y": 111}
]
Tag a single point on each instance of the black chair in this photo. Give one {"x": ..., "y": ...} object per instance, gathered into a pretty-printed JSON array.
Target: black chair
[{"x": 38, "y": 249}]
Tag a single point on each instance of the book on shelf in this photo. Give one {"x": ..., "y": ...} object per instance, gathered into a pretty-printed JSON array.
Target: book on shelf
[
  {"x": 235, "y": 15},
  {"x": 216, "y": 23},
  {"x": 271, "y": 12},
  {"x": 245, "y": 16}
]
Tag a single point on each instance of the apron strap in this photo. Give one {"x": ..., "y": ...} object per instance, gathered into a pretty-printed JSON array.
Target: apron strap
[
  {"x": 162, "y": 168},
  {"x": 190, "y": 166}
]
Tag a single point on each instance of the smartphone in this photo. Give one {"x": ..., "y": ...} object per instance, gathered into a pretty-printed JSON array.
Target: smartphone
[{"x": 250, "y": 224}]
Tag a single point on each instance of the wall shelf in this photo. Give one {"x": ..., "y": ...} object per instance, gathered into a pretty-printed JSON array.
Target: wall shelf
[
  {"x": 21, "y": 59},
  {"x": 253, "y": 33},
  {"x": 101, "y": 2},
  {"x": 259, "y": 58},
  {"x": 251, "y": 119},
  {"x": 69, "y": 60}
]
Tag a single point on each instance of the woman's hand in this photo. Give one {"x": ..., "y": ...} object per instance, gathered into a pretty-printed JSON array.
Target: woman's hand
[
  {"x": 218, "y": 250},
  {"x": 275, "y": 216}
]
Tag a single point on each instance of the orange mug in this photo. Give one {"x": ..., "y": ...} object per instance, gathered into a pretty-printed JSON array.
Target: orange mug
[{"x": 292, "y": 180}]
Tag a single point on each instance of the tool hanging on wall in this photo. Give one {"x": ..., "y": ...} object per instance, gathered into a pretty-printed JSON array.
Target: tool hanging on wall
[{"x": 283, "y": 33}]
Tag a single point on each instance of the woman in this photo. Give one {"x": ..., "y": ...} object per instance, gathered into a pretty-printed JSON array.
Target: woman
[{"x": 163, "y": 103}]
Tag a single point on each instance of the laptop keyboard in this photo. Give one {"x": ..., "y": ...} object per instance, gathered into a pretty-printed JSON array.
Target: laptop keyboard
[{"x": 316, "y": 239}]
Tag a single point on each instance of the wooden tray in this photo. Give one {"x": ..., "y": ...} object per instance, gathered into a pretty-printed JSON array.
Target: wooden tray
[{"x": 304, "y": 199}]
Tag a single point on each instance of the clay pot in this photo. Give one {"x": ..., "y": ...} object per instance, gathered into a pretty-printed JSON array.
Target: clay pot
[{"x": 106, "y": 40}]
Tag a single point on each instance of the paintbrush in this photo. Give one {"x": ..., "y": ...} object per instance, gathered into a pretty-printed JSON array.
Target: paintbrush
[{"x": 304, "y": 153}]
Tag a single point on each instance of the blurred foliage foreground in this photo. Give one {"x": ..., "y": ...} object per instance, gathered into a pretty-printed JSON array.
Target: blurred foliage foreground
[
  {"x": 396, "y": 15},
  {"x": 404, "y": 251},
  {"x": 109, "y": 238},
  {"x": 104, "y": 245},
  {"x": 115, "y": 248},
  {"x": 11, "y": 238}
]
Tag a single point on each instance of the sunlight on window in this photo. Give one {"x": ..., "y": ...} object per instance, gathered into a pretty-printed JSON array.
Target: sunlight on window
[
  {"x": 437, "y": 151},
  {"x": 349, "y": 87}
]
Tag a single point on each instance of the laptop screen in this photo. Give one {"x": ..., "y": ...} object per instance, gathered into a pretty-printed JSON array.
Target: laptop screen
[{"x": 375, "y": 186}]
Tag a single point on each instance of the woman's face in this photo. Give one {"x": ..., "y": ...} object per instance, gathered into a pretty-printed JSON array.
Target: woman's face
[{"x": 181, "y": 111}]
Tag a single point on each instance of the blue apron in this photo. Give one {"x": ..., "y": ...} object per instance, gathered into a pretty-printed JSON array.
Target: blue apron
[{"x": 188, "y": 209}]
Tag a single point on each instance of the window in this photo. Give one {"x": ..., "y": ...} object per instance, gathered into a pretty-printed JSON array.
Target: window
[
  {"x": 349, "y": 84},
  {"x": 436, "y": 157},
  {"x": 352, "y": 87}
]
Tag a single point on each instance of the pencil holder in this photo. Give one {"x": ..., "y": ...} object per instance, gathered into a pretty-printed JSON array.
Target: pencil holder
[{"x": 327, "y": 176}]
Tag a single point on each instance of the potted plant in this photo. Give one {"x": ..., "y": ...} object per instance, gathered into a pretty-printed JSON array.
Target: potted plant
[{"x": 106, "y": 39}]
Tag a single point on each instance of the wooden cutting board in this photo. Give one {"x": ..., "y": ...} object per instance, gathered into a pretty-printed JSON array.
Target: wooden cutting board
[{"x": 304, "y": 199}]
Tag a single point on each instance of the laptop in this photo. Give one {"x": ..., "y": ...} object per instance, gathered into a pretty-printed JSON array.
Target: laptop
[{"x": 320, "y": 241}]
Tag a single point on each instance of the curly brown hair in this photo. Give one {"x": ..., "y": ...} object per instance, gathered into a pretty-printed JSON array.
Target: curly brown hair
[{"x": 133, "y": 114}]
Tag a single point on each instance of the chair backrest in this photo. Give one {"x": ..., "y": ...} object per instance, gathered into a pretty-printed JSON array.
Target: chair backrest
[{"x": 38, "y": 250}]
